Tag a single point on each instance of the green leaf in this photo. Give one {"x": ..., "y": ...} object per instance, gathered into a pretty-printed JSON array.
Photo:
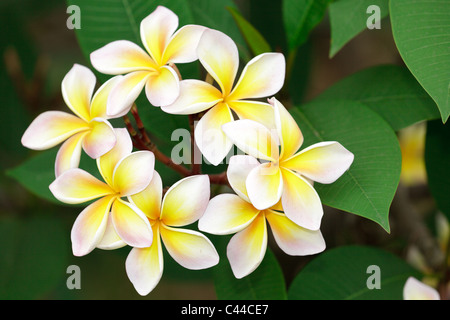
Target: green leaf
[
  {"x": 343, "y": 274},
  {"x": 389, "y": 90},
  {"x": 421, "y": 33},
  {"x": 300, "y": 17},
  {"x": 254, "y": 39},
  {"x": 368, "y": 188},
  {"x": 348, "y": 18},
  {"x": 265, "y": 283},
  {"x": 437, "y": 159}
]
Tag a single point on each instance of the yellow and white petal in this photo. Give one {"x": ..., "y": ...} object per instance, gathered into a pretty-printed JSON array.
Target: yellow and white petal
[
  {"x": 191, "y": 249},
  {"x": 293, "y": 239},
  {"x": 144, "y": 266},
  {"x": 108, "y": 162},
  {"x": 262, "y": 77},
  {"x": 100, "y": 139},
  {"x": 264, "y": 185},
  {"x": 100, "y": 99},
  {"x": 238, "y": 170},
  {"x": 133, "y": 173},
  {"x": 186, "y": 201},
  {"x": 291, "y": 138},
  {"x": 156, "y": 31},
  {"x": 149, "y": 199},
  {"x": 226, "y": 214},
  {"x": 182, "y": 47},
  {"x": 163, "y": 87},
  {"x": 131, "y": 224},
  {"x": 209, "y": 137},
  {"x": 77, "y": 88},
  {"x": 195, "y": 96},
  {"x": 90, "y": 225},
  {"x": 125, "y": 93},
  {"x": 219, "y": 55},
  {"x": 69, "y": 154},
  {"x": 301, "y": 203},
  {"x": 253, "y": 138},
  {"x": 254, "y": 110},
  {"x": 51, "y": 128},
  {"x": 78, "y": 186},
  {"x": 417, "y": 290},
  {"x": 120, "y": 57},
  {"x": 247, "y": 248},
  {"x": 323, "y": 162},
  {"x": 110, "y": 239}
]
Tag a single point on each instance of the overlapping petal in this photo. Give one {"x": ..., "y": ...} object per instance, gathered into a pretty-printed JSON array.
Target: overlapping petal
[
  {"x": 110, "y": 240},
  {"x": 100, "y": 98},
  {"x": 254, "y": 110},
  {"x": 163, "y": 87},
  {"x": 100, "y": 139},
  {"x": 149, "y": 199},
  {"x": 265, "y": 185},
  {"x": 69, "y": 154},
  {"x": 182, "y": 47},
  {"x": 238, "y": 169}
]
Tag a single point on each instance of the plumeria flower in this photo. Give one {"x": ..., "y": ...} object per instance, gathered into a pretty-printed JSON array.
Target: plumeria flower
[
  {"x": 234, "y": 213},
  {"x": 417, "y": 290},
  {"x": 263, "y": 76},
  {"x": 286, "y": 173},
  {"x": 124, "y": 174},
  {"x": 152, "y": 68},
  {"x": 88, "y": 129},
  {"x": 183, "y": 204}
]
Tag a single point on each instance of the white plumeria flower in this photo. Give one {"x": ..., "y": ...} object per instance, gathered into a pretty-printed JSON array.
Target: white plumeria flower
[
  {"x": 125, "y": 173},
  {"x": 285, "y": 174},
  {"x": 262, "y": 77},
  {"x": 88, "y": 129},
  {"x": 183, "y": 204},
  {"x": 231, "y": 213},
  {"x": 150, "y": 69},
  {"x": 417, "y": 290}
]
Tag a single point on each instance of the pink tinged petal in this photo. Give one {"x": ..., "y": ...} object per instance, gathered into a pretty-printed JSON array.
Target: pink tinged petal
[
  {"x": 254, "y": 110},
  {"x": 301, "y": 203},
  {"x": 293, "y": 239},
  {"x": 253, "y": 138},
  {"x": 134, "y": 173},
  {"x": 144, "y": 266},
  {"x": 100, "y": 99},
  {"x": 110, "y": 239},
  {"x": 107, "y": 162},
  {"x": 227, "y": 214},
  {"x": 246, "y": 249},
  {"x": 100, "y": 139},
  {"x": 417, "y": 290},
  {"x": 263, "y": 76},
  {"x": 51, "y": 128},
  {"x": 131, "y": 224},
  {"x": 120, "y": 57},
  {"x": 265, "y": 185},
  {"x": 191, "y": 249},
  {"x": 238, "y": 170},
  {"x": 90, "y": 225},
  {"x": 291, "y": 138},
  {"x": 77, "y": 186},
  {"x": 209, "y": 137},
  {"x": 69, "y": 154},
  {"x": 323, "y": 162},
  {"x": 163, "y": 87},
  {"x": 195, "y": 96},
  {"x": 77, "y": 88},
  {"x": 149, "y": 199},
  {"x": 186, "y": 201},
  {"x": 182, "y": 47},
  {"x": 219, "y": 56},
  {"x": 125, "y": 93},
  {"x": 156, "y": 31}
]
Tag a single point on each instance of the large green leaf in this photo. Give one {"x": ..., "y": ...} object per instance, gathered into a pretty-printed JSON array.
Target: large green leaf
[
  {"x": 422, "y": 35},
  {"x": 349, "y": 17},
  {"x": 389, "y": 90},
  {"x": 437, "y": 160},
  {"x": 368, "y": 188},
  {"x": 343, "y": 274}
]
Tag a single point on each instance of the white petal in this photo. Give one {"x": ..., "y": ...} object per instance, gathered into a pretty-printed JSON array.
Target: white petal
[{"x": 238, "y": 170}]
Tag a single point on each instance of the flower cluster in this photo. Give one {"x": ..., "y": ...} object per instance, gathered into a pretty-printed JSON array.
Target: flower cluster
[{"x": 272, "y": 182}]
